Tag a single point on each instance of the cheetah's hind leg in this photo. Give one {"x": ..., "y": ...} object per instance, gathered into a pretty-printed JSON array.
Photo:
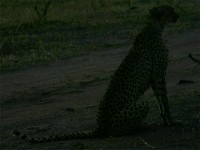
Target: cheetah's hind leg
[{"x": 128, "y": 120}]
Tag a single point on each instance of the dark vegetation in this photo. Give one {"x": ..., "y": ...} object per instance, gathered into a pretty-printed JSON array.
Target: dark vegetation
[{"x": 36, "y": 32}]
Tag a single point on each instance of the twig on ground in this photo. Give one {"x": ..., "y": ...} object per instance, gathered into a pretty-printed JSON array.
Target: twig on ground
[
  {"x": 148, "y": 145},
  {"x": 185, "y": 82},
  {"x": 194, "y": 59}
]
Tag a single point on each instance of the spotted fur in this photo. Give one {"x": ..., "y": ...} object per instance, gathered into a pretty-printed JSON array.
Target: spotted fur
[{"x": 121, "y": 110}]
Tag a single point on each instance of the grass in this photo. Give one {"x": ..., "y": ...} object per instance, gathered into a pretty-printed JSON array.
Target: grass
[{"x": 75, "y": 27}]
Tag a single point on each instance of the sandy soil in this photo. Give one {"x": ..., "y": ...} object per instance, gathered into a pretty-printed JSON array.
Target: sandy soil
[{"x": 64, "y": 96}]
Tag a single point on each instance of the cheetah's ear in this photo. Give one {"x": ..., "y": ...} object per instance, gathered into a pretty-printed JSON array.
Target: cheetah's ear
[{"x": 156, "y": 13}]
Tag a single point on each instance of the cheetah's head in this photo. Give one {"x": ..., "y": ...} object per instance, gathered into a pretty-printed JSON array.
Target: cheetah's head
[{"x": 164, "y": 14}]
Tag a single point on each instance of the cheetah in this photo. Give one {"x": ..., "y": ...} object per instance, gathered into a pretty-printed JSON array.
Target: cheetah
[{"x": 121, "y": 110}]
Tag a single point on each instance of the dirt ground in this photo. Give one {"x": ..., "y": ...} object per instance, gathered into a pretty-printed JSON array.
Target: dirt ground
[{"x": 64, "y": 96}]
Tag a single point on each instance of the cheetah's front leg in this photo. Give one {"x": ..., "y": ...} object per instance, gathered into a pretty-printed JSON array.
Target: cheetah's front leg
[{"x": 160, "y": 92}]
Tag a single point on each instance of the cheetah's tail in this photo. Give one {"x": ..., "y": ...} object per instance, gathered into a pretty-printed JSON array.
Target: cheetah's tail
[{"x": 78, "y": 135}]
